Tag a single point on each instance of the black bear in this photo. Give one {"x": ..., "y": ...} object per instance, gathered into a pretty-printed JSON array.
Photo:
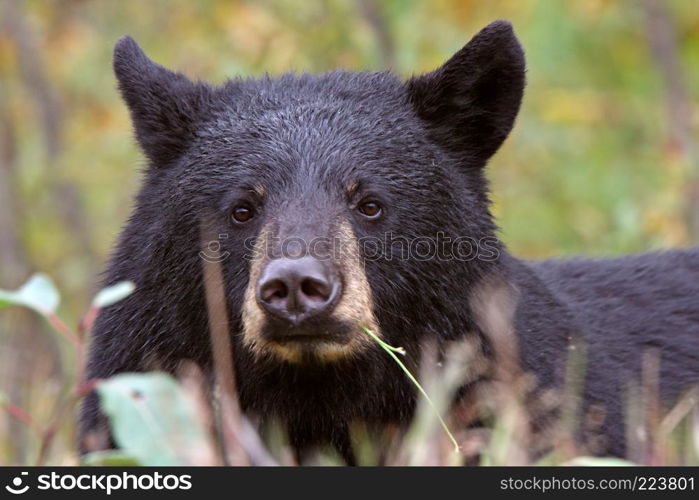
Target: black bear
[{"x": 328, "y": 192}]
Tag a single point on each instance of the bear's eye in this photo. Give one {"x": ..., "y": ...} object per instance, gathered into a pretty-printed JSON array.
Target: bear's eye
[
  {"x": 370, "y": 209},
  {"x": 242, "y": 213}
]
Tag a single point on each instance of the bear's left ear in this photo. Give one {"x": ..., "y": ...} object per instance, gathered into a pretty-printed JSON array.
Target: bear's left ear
[
  {"x": 165, "y": 106},
  {"x": 470, "y": 103}
]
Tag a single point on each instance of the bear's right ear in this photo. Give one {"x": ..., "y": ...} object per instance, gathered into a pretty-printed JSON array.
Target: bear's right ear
[
  {"x": 471, "y": 101},
  {"x": 165, "y": 106}
]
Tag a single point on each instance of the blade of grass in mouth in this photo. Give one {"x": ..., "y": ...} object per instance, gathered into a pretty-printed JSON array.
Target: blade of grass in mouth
[{"x": 392, "y": 351}]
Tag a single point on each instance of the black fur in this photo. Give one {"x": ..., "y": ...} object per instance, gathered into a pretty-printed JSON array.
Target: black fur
[{"x": 420, "y": 147}]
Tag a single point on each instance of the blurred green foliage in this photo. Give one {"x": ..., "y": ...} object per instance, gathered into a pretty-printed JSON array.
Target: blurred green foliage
[{"x": 593, "y": 166}]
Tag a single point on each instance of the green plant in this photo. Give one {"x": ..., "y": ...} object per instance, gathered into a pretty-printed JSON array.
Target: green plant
[{"x": 40, "y": 294}]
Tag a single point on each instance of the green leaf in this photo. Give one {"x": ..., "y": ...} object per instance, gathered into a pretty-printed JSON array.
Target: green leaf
[
  {"x": 109, "y": 458},
  {"x": 39, "y": 293},
  {"x": 113, "y": 294},
  {"x": 152, "y": 419},
  {"x": 599, "y": 462}
]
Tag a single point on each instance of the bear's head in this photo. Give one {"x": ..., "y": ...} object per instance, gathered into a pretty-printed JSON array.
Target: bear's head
[{"x": 339, "y": 202}]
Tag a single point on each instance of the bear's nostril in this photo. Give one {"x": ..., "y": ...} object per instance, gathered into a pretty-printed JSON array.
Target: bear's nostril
[
  {"x": 316, "y": 289},
  {"x": 274, "y": 291}
]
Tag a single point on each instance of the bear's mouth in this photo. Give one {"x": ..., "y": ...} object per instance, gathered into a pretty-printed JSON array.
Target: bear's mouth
[
  {"x": 304, "y": 338},
  {"x": 310, "y": 341},
  {"x": 308, "y": 333}
]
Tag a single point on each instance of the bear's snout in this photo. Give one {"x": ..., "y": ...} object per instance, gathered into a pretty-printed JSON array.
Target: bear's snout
[{"x": 297, "y": 289}]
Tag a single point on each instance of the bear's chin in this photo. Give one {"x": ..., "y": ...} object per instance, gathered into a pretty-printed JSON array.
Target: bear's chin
[{"x": 312, "y": 352}]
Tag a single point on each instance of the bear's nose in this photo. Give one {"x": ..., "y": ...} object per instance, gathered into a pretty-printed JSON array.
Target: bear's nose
[{"x": 296, "y": 289}]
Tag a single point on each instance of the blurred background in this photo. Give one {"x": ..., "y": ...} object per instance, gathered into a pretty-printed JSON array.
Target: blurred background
[{"x": 602, "y": 160}]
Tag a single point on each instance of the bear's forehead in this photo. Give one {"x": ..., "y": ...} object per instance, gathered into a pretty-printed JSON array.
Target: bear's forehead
[
  {"x": 311, "y": 117},
  {"x": 327, "y": 130},
  {"x": 289, "y": 151},
  {"x": 336, "y": 100}
]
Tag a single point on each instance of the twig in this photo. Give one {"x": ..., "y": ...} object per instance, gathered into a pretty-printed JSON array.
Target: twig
[
  {"x": 22, "y": 416},
  {"x": 47, "y": 435},
  {"x": 64, "y": 330},
  {"x": 238, "y": 434}
]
